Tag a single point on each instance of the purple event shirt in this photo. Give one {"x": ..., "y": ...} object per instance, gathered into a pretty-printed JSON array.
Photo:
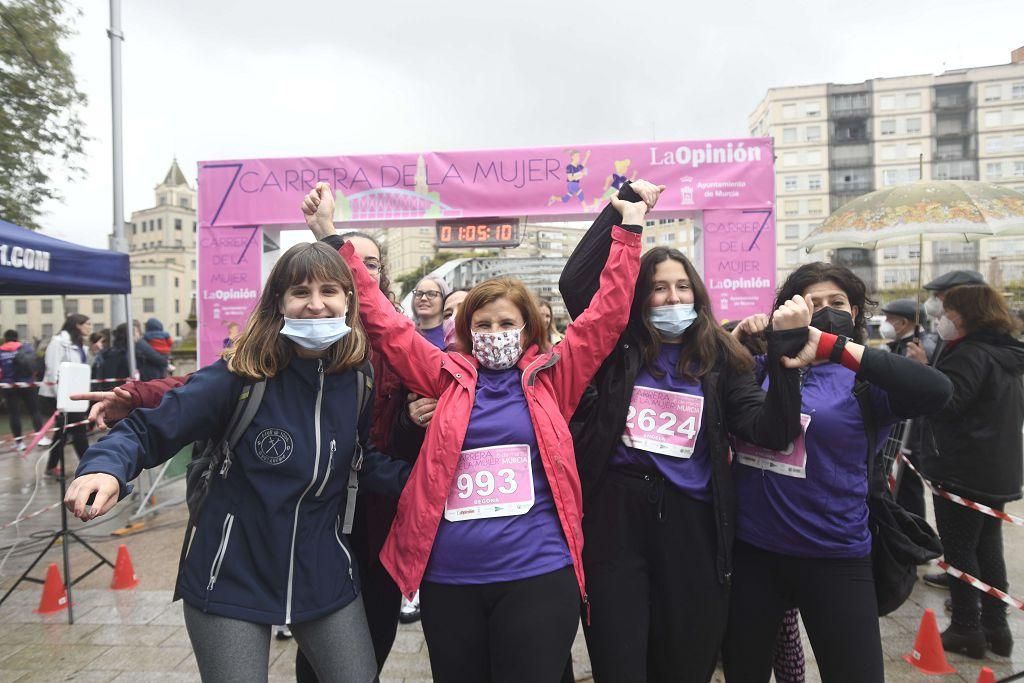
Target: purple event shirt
[
  {"x": 690, "y": 475},
  {"x": 824, "y": 515},
  {"x": 435, "y": 336},
  {"x": 501, "y": 548}
]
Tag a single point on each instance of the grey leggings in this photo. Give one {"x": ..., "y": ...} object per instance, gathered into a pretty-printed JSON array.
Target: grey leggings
[{"x": 228, "y": 650}]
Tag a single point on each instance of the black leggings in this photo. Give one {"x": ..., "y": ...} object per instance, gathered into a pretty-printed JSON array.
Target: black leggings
[
  {"x": 973, "y": 543},
  {"x": 506, "y": 632},
  {"x": 658, "y": 609},
  {"x": 836, "y": 598}
]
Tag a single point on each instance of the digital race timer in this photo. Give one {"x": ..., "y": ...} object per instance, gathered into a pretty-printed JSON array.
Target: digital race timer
[{"x": 479, "y": 233}]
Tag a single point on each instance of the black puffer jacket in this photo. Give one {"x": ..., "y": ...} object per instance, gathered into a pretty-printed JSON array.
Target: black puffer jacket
[
  {"x": 735, "y": 403},
  {"x": 973, "y": 446}
]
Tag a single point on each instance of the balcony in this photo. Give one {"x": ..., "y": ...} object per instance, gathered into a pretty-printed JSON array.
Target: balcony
[
  {"x": 855, "y": 162},
  {"x": 958, "y": 102},
  {"x": 851, "y": 113}
]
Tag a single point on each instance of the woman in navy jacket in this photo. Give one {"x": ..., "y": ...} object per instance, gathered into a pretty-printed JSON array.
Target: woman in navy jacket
[{"x": 268, "y": 547}]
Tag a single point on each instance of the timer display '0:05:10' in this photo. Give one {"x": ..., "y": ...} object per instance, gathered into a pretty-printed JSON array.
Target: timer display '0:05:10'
[{"x": 503, "y": 232}]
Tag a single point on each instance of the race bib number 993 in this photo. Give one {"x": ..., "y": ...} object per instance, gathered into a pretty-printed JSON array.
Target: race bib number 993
[{"x": 491, "y": 482}]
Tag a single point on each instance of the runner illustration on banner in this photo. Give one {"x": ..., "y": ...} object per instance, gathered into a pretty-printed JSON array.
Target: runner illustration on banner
[
  {"x": 791, "y": 462},
  {"x": 491, "y": 482},
  {"x": 663, "y": 422},
  {"x": 574, "y": 172}
]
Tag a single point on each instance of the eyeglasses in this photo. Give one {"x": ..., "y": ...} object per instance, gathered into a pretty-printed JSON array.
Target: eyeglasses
[{"x": 430, "y": 296}]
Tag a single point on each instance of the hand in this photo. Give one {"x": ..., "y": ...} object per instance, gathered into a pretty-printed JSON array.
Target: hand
[
  {"x": 648, "y": 191},
  {"x": 751, "y": 326},
  {"x": 793, "y": 314},
  {"x": 808, "y": 354},
  {"x": 915, "y": 352},
  {"x": 110, "y": 406},
  {"x": 318, "y": 208},
  {"x": 632, "y": 212},
  {"x": 104, "y": 486},
  {"x": 421, "y": 410}
]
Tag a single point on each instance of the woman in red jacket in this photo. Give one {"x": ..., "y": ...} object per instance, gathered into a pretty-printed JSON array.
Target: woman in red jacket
[{"x": 489, "y": 527}]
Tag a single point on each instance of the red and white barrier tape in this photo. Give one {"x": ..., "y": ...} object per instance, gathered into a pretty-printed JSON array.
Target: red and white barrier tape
[
  {"x": 983, "y": 509},
  {"x": 25, "y": 385},
  {"x": 982, "y": 586},
  {"x": 30, "y": 516}
]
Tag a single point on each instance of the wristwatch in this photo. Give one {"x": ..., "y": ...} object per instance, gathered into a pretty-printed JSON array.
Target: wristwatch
[{"x": 837, "y": 351}]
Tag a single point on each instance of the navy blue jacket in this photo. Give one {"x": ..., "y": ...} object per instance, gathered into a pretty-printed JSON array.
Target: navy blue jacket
[{"x": 268, "y": 546}]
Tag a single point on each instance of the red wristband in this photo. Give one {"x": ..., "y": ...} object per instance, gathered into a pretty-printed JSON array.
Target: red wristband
[
  {"x": 849, "y": 362},
  {"x": 825, "y": 345}
]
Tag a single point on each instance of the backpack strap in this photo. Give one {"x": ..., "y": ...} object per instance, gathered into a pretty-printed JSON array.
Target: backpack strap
[
  {"x": 364, "y": 391},
  {"x": 248, "y": 405}
]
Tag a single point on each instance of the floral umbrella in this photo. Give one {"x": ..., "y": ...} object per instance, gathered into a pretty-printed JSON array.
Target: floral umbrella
[{"x": 965, "y": 209}]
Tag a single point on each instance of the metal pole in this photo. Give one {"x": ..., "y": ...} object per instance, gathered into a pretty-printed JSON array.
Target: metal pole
[{"x": 119, "y": 312}]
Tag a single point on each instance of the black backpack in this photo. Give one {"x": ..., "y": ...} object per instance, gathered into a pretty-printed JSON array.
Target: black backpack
[
  {"x": 900, "y": 540},
  {"x": 24, "y": 363},
  {"x": 213, "y": 457}
]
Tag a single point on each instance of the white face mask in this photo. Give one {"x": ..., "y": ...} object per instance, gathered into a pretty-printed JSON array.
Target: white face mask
[
  {"x": 947, "y": 329},
  {"x": 672, "y": 320},
  {"x": 887, "y": 330},
  {"x": 497, "y": 350},
  {"x": 315, "y": 334},
  {"x": 933, "y": 307}
]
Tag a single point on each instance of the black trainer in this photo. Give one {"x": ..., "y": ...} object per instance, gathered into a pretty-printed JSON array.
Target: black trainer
[{"x": 937, "y": 580}]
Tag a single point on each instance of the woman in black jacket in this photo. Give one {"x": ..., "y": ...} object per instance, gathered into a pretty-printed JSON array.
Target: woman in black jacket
[
  {"x": 653, "y": 456},
  {"x": 972, "y": 447}
]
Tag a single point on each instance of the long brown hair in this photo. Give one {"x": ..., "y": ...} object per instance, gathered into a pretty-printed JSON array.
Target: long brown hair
[
  {"x": 490, "y": 291},
  {"x": 981, "y": 308},
  {"x": 704, "y": 342},
  {"x": 261, "y": 351}
]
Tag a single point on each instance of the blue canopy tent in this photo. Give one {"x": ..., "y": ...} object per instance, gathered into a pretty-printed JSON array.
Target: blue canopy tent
[{"x": 31, "y": 263}]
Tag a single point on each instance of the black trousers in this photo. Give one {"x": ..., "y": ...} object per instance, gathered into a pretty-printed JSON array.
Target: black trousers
[
  {"x": 507, "y": 632},
  {"x": 836, "y": 598},
  {"x": 973, "y": 543},
  {"x": 78, "y": 436},
  {"x": 658, "y": 609},
  {"x": 18, "y": 398}
]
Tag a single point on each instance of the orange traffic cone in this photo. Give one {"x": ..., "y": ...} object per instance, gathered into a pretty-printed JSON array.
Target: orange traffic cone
[
  {"x": 986, "y": 675},
  {"x": 55, "y": 598},
  {"x": 124, "y": 575},
  {"x": 928, "y": 656}
]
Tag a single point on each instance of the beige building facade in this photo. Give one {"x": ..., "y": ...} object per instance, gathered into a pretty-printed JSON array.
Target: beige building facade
[{"x": 835, "y": 142}]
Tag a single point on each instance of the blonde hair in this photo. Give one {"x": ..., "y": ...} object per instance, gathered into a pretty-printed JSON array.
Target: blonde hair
[{"x": 261, "y": 351}]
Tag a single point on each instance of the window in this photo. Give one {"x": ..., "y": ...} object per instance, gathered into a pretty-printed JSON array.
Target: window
[
  {"x": 70, "y": 306},
  {"x": 97, "y": 305},
  {"x": 890, "y": 176},
  {"x": 912, "y": 101},
  {"x": 149, "y": 280},
  {"x": 789, "y": 111},
  {"x": 790, "y": 159},
  {"x": 47, "y": 305},
  {"x": 149, "y": 305},
  {"x": 890, "y": 277},
  {"x": 813, "y": 133},
  {"x": 912, "y": 151},
  {"x": 23, "y": 331},
  {"x": 913, "y": 174},
  {"x": 183, "y": 202},
  {"x": 993, "y": 92},
  {"x": 47, "y": 330},
  {"x": 193, "y": 226},
  {"x": 994, "y": 169},
  {"x": 887, "y": 102},
  {"x": 993, "y": 119},
  {"x": 791, "y": 208},
  {"x": 163, "y": 199},
  {"x": 889, "y": 152},
  {"x": 177, "y": 282},
  {"x": 814, "y": 182},
  {"x": 994, "y": 145},
  {"x": 650, "y": 239},
  {"x": 792, "y": 257},
  {"x": 791, "y": 183},
  {"x": 813, "y": 158},
  {"x": 1017, "y": 117},
  {"x": 890, "y": 253},
  {"x": 814, "y": 207},
  {"x": 887, "y": 127},
  {"x": 1018, "y": 169},
  {"x": 914, "y": 251},
  {"x": 1017, "y": 142},
  {"x": 177, "y": 306},
  {"x": 177, "y": 224},
  {"x": 812, "y": 109},
  {"x": 1017, "y": 91},
  {"x": 649, "y": 224},
  {"x": 159, "y": 223},
  {"x": 20, "y": 306},
  {"x": 792, "y": 232},
  {"x": 913, "y": 126},
  {"x": 789, "y": 134},
  {"x": 135, "y": 229}
]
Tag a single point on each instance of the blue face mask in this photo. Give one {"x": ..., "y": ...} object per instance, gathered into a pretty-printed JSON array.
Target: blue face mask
[
  {"x": 315, "y": 334},
  {"x": 672, "y": 320}
]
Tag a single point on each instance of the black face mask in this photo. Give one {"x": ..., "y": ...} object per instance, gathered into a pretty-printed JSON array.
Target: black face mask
[{"x": 833, "y": 321}]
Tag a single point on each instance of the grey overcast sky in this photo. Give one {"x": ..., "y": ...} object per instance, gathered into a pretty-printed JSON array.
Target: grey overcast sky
[{"x": 214, "y": 79}]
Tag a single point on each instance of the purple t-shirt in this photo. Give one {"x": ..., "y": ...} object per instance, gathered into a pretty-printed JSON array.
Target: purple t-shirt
[
  {"x": 479, "y": 551},
  {"x": 825, "y": 513},
  {"x": 435, "y": 336},
  {"x": 690, "y": 475}
]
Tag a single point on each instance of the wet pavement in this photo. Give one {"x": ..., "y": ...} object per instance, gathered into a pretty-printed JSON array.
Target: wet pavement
[{"x": 139, "y": 634}]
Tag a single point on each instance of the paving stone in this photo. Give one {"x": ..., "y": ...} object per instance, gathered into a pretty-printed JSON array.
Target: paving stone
[
  {"x": 131, "y": 634},
  {"x": 52, "y": 658},
  {"x": 172, "y": 615},
  {"x": 409, "y": 643},
  {"x": 137, "y": 614},
  {"x": 140, "y": 658},
  {"x": 156, "y": 677}
]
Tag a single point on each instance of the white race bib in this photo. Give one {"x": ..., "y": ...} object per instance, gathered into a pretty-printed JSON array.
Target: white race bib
[
  {"x": 491, "y": 482},
  {"x": 663, "y": 422},
  {"x": 791, "y": 462}
]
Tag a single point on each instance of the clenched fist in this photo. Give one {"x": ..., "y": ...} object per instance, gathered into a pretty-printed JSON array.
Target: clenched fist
[{"x": 318, "y": 208}]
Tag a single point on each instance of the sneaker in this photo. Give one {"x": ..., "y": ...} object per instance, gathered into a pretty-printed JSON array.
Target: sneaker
[
  {"x": 55, "y": 472},
  {"x": 964, "y": 641},
  {"x": 282, "y": 632},
  {"x": 19, "y": 445},
  {"x": 45, "y": 441},
  {"x": 999, "y": 640},
  {"x": 410, "y": 612},
  {"x": 937, "y": 580}
]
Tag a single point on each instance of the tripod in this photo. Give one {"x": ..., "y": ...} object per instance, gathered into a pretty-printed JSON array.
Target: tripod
[{"x": 64, "y": 535}]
